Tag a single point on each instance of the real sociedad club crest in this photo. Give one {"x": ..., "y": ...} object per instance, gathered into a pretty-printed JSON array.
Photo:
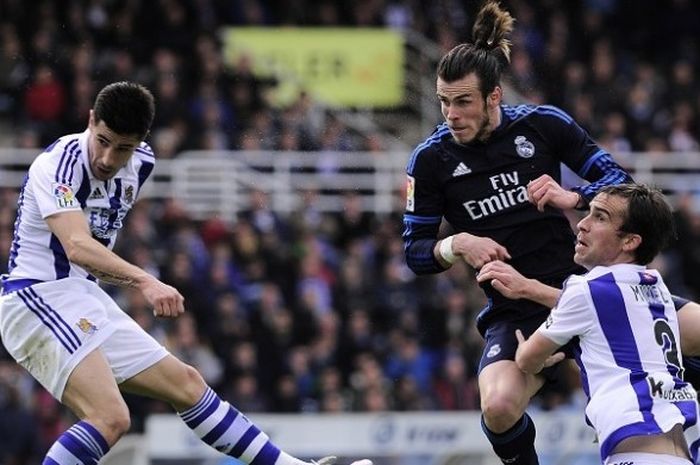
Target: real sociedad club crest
[{"x": 524, "y": 147}]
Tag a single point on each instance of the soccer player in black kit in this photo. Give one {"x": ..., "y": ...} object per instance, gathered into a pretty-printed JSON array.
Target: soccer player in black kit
[{"x": 492, "y": 171}]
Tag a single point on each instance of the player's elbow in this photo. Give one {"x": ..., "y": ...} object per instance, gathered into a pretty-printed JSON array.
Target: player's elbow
[
  {"x": 76, "y": 247},
  {"x": 418, "y": 269}
]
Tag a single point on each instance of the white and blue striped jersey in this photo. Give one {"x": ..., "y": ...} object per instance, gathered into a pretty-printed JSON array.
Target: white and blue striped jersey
[
  {"x": 60, "y": 179},
  {"x": 631, "y": 367}
]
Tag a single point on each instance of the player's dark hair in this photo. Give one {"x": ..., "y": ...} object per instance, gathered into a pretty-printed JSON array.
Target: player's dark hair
[
  {"x": 648, "y": 215},
  {"x": 488, "y": 53},
  {"x": 126, "y": 108}
]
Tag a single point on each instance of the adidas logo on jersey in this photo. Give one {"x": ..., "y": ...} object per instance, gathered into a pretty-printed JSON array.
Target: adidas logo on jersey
[
  {"x": 97, "y": 194},
  {"x": 461, "y": 170}
]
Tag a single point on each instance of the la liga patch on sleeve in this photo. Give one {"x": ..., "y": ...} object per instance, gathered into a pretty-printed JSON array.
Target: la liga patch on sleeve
[
  {"x": 65, "y": 198},
  {"x": 410, "y": 193}
]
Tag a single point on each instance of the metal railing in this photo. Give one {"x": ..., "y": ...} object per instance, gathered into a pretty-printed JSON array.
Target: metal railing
[{"x": 220, "y": 183}]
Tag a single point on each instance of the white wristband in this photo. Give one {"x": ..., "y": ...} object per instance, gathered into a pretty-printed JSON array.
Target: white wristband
[{"x": 446, "y": 250}]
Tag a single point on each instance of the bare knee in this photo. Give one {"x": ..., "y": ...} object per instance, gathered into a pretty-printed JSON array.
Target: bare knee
[
  {"x": 505, "y": 393},
  {"x": 191, "y": 388},
  {"x": 501, "y": 412},
  {"x": 195, "y": 384},
  {"x": 113, "y": 422}
]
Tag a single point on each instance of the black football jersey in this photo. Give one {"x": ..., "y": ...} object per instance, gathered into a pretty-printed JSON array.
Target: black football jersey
[{"x": 481, "y": 188}]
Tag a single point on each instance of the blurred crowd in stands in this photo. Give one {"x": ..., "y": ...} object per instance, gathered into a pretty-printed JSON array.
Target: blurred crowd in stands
[
  {"x": 625, "y": 69},
  {"x": 317, "y": 312}
]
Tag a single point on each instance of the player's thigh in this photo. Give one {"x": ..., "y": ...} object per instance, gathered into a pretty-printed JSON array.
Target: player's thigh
[
  {"x": 503, "y": 387},
  {"x": 49, "y": 328},
  {"x": 130, "y": 350},
  {"x": 503, "y": 383},
  {"x": 91, "y": 391},
  {"x": 689, "y": 324},
  {"x": 169, "y": 380}
]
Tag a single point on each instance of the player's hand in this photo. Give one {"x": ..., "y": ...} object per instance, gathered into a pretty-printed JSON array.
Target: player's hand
[
  {"x": 553, "y": 359},
  {"x": 545, "y": 191},
  {"x": 477, "y": 251},
  {"x": 505, "y": 279},
  {"x": 165, "y": 300}
]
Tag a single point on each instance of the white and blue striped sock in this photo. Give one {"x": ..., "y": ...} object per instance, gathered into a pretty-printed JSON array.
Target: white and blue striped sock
[
  {"x": 81, "y": 444},
  {"x": 227, "y": 430}
]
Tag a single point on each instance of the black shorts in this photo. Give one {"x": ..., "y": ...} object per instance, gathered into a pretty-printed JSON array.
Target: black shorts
[
  {"x": 501, "y": 343},
  {"x": 691, "y": 374}
]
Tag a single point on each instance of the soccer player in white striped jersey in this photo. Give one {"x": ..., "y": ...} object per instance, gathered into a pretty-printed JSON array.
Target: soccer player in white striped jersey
[
  {"x": 625, "y": 320},
  {"x": 68, "y": 333}
]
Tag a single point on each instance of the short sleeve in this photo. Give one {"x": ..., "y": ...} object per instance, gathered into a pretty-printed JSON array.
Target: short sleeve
[
  {"x": 572, "y": 316},
  {"x": 53, "y": 193}
]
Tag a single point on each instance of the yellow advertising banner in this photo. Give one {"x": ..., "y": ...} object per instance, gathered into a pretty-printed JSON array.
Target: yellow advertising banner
[{"x": 338, "y": 66}]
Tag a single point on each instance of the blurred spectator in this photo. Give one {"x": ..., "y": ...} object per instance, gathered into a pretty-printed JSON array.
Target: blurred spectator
[
  {"x": 454, "y": 388},
  {"x": 45, "y": 102},
  {"x": 407, "y": 396},
  {"x": 185, "y": 344},
  {"x": 21, "y": 439},
  {"x": 51, "y": 419},
  {"x": 14, "y": 71},
  {"x": 245, "y": 391},
  {"x": 682, "y": 137},
  {"x": 314, "y": 285},
  {"x": 408, "y": 359},
  {"x": 286, "y": 398},
  {"x": 614, "y": 136},
  {"x": 353, "y": 222},
  {"x": 688, "y": 243}
]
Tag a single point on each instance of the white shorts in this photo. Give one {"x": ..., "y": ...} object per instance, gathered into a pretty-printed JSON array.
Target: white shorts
[
  {"x": 50, "y": 327},
  {"x": 644, "y": 458}
]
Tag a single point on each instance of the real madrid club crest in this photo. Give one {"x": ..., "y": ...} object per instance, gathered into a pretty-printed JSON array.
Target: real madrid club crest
[{"x": 524, "y": 147}]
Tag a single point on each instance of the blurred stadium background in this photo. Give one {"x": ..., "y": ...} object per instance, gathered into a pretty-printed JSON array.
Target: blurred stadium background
[{"x": 282, "y": 131}]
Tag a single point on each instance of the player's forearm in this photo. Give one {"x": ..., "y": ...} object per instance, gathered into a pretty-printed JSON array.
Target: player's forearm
[
  {"x": 535, "y": 353},
  {"x": 542, "y": 293},
  {"x": 528, "y": 361},
  {"x": 104, "y": 264},
  {"x": 420, "y": 257}
]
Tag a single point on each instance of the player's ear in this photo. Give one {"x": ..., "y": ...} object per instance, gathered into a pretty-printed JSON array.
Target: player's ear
[
  {"x": 495, "y": 96},
  {"x": 631, "y": 242}
]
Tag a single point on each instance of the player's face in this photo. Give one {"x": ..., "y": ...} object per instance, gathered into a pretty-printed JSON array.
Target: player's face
[
  {"x": 467, "y": 114},
  {"x": 109, "y": 151},
  {"x": 599, "y": 240}
]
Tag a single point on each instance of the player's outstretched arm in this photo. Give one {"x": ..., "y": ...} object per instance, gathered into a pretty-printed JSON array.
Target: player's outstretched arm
[{"x": 81, "y": 248}]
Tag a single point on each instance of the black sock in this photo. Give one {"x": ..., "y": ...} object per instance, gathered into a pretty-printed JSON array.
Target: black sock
[{"x": 515, "y": 446}]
